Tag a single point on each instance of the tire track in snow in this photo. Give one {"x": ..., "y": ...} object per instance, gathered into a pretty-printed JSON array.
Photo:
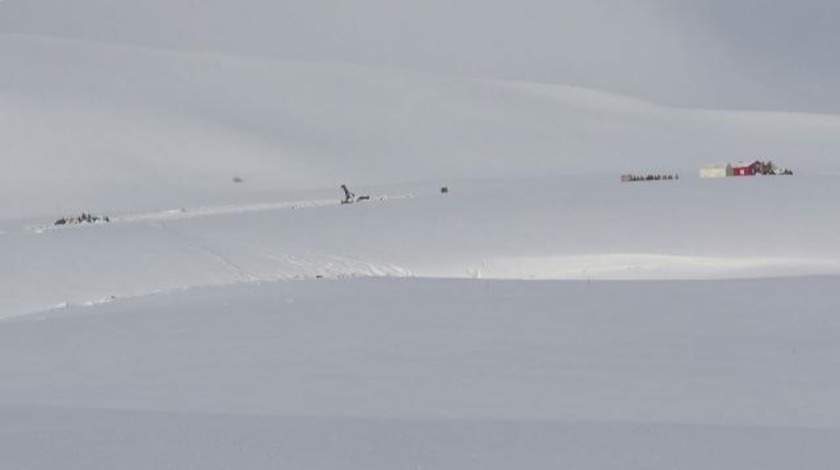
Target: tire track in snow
[
  {"x": 211, "y": 211},
  {"x": 334, "y": 267},
  {"x": 286, "y": 266},
  {"x": 196, "y": 245}
]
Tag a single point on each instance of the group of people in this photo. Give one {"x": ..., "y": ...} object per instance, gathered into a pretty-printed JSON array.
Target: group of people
[
  {"x": 631, "y": 178},
  {"x": 82, "y": 219}
]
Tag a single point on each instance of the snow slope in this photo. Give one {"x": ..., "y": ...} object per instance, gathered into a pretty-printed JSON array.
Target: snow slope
[
  {"x": 431, "y": 374},
  {"x": 225, "y": 324},
  {"x": 543, "y": 228},
  {"x": 141, "y": 440},
  {"x": 154, "y": 138},
  {"x": 105, "y": 128}
]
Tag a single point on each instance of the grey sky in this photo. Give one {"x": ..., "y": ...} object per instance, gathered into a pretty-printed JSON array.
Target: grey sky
[{"x": 712, "y": 53}]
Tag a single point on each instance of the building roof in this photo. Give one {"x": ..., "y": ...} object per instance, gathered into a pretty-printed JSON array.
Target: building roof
[
  {"x": 746, "y": 163},
  {"x": 719, "y": 166}
]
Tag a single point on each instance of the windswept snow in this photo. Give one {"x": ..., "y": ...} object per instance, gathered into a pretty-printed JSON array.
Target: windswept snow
[
  {"x": 446, "y": 374},
  {"x": 744, "y": 352}
]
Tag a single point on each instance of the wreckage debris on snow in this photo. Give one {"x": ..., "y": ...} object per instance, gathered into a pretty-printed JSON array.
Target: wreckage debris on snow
[
  {"x": 350, "y": 197},
  {"x": 82, "y": 219}
]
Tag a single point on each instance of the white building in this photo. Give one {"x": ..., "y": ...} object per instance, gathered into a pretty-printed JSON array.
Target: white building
[{"x": 716, "y": 171}]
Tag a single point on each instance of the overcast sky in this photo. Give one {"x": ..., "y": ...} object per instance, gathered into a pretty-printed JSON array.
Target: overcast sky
[{"x": 753, "y": 54}]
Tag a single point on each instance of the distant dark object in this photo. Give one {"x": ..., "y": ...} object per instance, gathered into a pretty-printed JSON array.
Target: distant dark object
[
  {"x": 350, "y": 198},
  {"x": 630, "y": 178},
  {"x": 444, "y": 190},
  {"x": 82, "y": 219},
  {"x": 237, "y": 179},
  {"x": 319, "y": 276}
]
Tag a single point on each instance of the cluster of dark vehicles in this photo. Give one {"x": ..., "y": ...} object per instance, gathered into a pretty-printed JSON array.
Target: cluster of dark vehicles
[
  {"x": 634, "y": 178},
  {"x": 770, "y": 169},
  {"x": 82, "y": 219}
]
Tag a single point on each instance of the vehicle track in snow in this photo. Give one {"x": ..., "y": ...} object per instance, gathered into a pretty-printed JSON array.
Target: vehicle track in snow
[{"x": 208, "y": 211}]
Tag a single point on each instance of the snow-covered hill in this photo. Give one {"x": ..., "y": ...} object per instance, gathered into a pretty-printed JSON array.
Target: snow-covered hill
[
  {"x": 218, "y": 324},
  {"x": 539, "y": 228},
  {"x": 105, "y": 128}
]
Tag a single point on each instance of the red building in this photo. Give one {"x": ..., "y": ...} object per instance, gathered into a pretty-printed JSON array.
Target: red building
[{"x": 750, "y": 168}]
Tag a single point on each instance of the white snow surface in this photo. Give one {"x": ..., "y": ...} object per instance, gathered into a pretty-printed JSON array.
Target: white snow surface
[
  {"x": 540, "y": 315},
  {"x": 383, "y": 373},
  {"x": 588, "y": 228},
  {"x": 101, "y": 127}
]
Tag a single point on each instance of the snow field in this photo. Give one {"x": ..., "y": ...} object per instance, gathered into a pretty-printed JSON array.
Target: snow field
[
  {"x": 431, "y": 374},
  {"x": 587, "y": 228}
]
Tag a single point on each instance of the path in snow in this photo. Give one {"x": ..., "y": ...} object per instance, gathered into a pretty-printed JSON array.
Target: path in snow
[{"x": 191, "y": 213}]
